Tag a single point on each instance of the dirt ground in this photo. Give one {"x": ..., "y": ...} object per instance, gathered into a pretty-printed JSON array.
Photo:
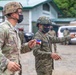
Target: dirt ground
[{"x": 65, "y": 66}]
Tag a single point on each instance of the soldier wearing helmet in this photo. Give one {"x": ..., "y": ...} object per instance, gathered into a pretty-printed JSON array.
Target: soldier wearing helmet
[
  {"x": 43, "y": 51},
  {"x": 10, "y": 44},
  {"x": 45, "y": 23},
  {"x": 11, "y": 9}
]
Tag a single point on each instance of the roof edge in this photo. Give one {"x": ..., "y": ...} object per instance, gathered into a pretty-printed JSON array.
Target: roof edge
[{"x": 1, "y": 8}]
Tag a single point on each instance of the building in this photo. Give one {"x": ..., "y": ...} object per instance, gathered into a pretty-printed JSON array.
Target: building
[{"x": 32, "y": 10}]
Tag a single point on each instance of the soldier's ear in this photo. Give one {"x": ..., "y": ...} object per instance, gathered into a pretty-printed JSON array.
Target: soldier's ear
[
  {"x": 39, "y": 25},
  {"x": 13, "y": 15}
]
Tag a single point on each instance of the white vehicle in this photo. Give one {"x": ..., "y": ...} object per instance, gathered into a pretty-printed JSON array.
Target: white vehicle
[{"x": 72, "y": 30}]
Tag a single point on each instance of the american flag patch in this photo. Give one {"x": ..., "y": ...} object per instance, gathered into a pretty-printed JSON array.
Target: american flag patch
[{"x": 38, "y": 42}]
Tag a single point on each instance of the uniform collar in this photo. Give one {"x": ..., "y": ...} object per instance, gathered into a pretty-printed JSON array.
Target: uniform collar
[
  {"x": 41, "y": 33},
  {"x": 10, "y": 25}
]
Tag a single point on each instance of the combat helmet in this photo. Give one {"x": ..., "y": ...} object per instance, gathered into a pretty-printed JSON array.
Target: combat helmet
[
  {"x": 11, "y": 7},
  {"x": 44, "y": 21}
]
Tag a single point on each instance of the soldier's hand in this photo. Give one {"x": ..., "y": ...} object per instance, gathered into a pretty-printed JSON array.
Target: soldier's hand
[
  {"x": 32, "y": 43},
  {"x": 12, "y": 66},
  {"x": 55, "y": 56}
]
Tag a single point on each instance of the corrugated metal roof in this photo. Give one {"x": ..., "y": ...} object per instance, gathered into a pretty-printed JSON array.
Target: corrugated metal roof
[
  {"x": 25, "y": 3},
  {"x": 64, "y": 19},
  {"x": 28, "y": 4}
]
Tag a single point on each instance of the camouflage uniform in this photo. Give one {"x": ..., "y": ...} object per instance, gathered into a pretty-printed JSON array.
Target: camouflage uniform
[
  {"x": 65, "y": 33},
  {"x": 21, "y": 35},
  {"x": 42, "y": 52},
  {"x": 53, "y": 33},
  {"x": 10, "y": 44}
]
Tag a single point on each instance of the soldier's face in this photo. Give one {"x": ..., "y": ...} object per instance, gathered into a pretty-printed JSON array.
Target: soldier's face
[
  {"x": 15, "y": 15},
  {"x": 19, "y": 12},
  {"x": 41, "y": 27},
  {"x": 19, "y": 16}
]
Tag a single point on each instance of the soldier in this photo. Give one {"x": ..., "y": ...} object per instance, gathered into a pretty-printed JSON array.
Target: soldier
[
  {"x": 42, "y": 51},
  {"x": 21, "y": 35},
  {"x": 66, "y": 32},
  {"x": 10, "y": 44},
  {"x": 53, "y": 33}
]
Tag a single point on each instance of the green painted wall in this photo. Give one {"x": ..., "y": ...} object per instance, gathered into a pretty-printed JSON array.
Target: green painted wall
[{"x": 34, "y": 28}]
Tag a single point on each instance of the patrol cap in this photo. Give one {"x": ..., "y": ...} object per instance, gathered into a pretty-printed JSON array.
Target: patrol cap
[
  {"x": 11, "y": 7},
  {"x": 44, "y": 20}
]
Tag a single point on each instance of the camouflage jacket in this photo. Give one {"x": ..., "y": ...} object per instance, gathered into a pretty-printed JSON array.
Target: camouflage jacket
[
  {"x": 42, "y": 52},
  {"x": 10, "y": 45},
  {"x": 66, "y": 32},
  {"x": 52, "y": 33}
]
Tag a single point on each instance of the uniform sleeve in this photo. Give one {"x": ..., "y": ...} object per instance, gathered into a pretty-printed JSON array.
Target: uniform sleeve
[
  {"x": 54, "y": 33},
  {"x": 58, "y": 40},
  {"x": 3, "y": 60},
  {"x": 25, "y": 48},
  {"x": 37, "y": 50}
]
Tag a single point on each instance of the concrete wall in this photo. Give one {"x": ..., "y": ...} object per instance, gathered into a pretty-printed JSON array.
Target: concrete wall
[
  {"x": 53, "y": 13},
  {"x": 38, "y": 11}
]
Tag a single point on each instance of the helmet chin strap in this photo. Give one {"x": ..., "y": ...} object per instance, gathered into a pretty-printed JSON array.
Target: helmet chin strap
[
  {"x": 43, "y": 30},
  {"x": 13, "y": 18}
]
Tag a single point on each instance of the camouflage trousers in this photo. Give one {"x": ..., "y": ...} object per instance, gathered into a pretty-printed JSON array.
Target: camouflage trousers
[
  {"x": 66, "y": 42},
  {"x": 46, "y": 70},
  {"x": 55, "y": 47},
  {"x": 44, "y": 73},
  {"x": 7, "y": 72}
]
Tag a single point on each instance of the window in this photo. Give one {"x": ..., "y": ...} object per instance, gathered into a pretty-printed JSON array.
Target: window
[
  {"x": 46, "y": 7},
  {"x": 71, "y": 29}
]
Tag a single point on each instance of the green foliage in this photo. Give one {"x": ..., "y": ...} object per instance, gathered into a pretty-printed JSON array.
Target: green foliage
[{"x": 68, "y": 7}]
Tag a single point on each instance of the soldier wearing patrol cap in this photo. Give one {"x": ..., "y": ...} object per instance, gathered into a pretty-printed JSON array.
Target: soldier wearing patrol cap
[
  {"x": 65, "y": 33},
  {"x": 53, "y": 33},
  {"x": 10, "y": 44},
  {"x": 42, "y": 51}
]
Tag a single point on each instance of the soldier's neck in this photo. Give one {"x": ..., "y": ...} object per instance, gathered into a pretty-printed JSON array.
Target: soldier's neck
[{"x": 13, "y": 22}]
